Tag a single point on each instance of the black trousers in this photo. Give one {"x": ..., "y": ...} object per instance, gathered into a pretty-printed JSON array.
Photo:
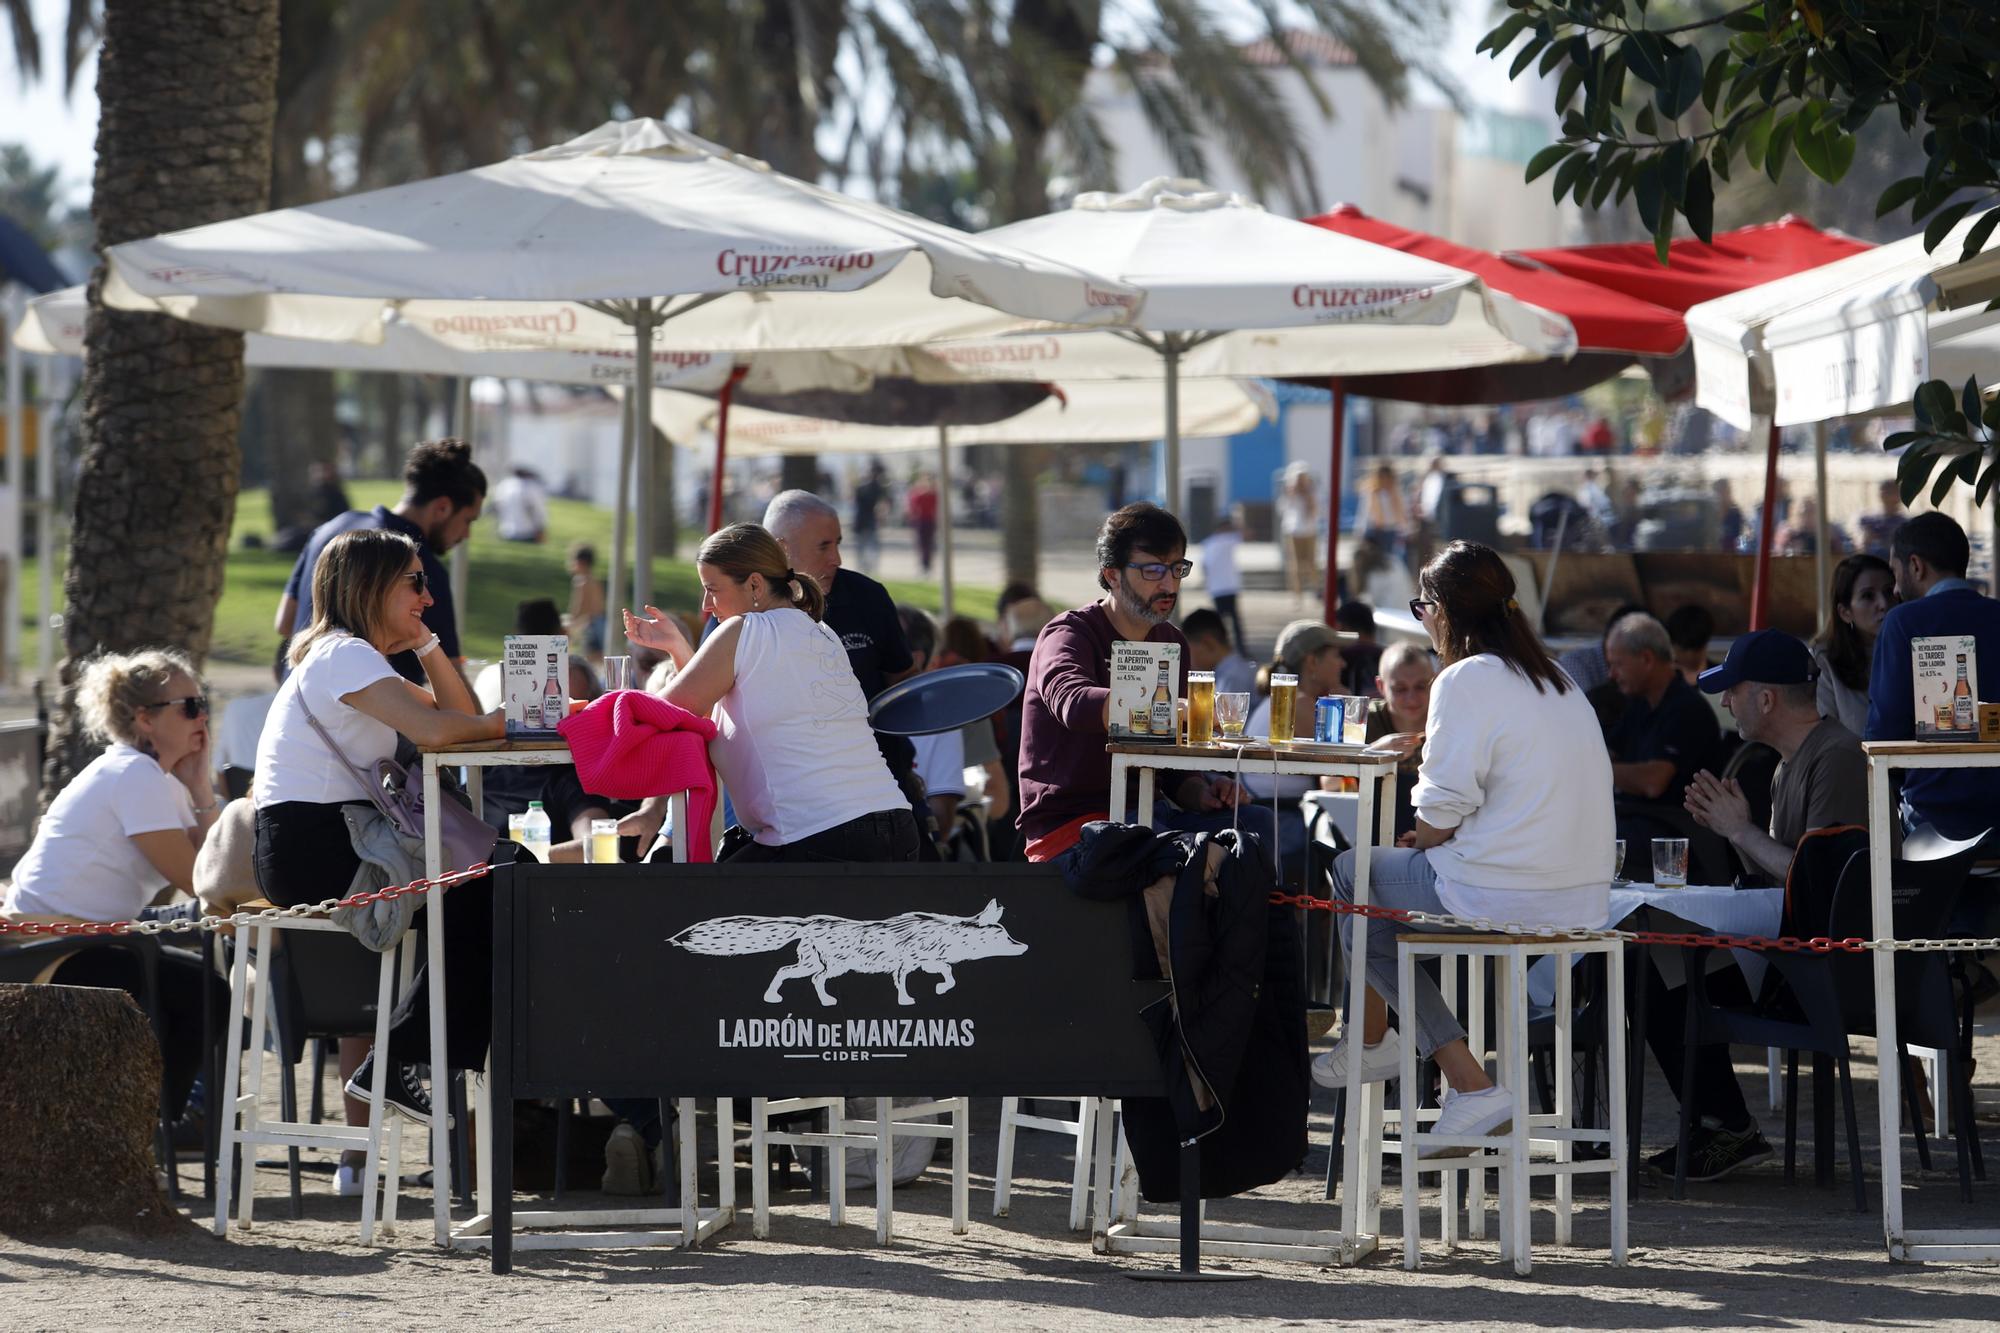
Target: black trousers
[
  {"x": 304, "y": 855},
  {"x": 180, "y": 981},
  {"x": 1717, "y": 1093},
  {"x": 886, "y": 835}
]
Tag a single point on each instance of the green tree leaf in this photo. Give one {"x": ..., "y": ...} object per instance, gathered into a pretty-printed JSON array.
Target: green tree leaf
[
  {"x": 1975, "y": 239},
  {"x": 1902, "y": 192},
  {"x": 1682, "y": 86},
  {"x": 1698, "y": 201},
  {"x": 1943, "y": 221},
  {"x": 1547, "y": 158}
]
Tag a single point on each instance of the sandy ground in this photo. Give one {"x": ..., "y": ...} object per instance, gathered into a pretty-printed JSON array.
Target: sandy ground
[{"x": 1750, "y": 1251}]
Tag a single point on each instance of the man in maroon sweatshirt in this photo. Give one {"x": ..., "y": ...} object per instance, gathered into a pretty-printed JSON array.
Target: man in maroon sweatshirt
[{"x": 1066, "y": 708}]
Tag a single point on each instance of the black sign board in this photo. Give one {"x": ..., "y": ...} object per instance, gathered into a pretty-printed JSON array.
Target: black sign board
[{"x": 813, "y": 980}]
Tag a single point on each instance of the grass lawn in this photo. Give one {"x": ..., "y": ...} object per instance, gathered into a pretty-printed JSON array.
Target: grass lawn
[{"x": 502, "y": 574}]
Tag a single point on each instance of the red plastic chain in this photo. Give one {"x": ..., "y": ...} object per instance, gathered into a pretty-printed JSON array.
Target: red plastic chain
[{"x": 390, "y": 894}]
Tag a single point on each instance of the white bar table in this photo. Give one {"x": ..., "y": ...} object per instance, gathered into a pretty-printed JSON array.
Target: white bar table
[
  {"x": 1953, "y": 1245},
  {"x": 1360, "y": 1202},
  {"x": 475, "y": 757}
]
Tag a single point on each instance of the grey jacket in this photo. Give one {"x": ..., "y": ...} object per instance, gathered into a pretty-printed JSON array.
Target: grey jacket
[{"x": 387, "y": 857}]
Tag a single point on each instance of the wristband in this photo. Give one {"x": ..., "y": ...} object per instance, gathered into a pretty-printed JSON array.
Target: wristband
[{"x": 426, "y": 649}]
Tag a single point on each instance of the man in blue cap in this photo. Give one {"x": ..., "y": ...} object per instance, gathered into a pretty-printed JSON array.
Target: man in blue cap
[{"x": 1767, "y": 685}]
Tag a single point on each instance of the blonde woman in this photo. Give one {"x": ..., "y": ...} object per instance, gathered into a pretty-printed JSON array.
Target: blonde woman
[
  {"x": 793, "y": 744},
  {"x": 369, "y": 596},
  {"x": 125, "y": 828},
  {"x": 1298, "y": 524}
]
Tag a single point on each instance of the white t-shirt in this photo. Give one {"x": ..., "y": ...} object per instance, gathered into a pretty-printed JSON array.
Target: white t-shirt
[
  {"x": 941, "y": 762},
  {"x": 1523, "y": 777},
  {"x": 1218, "y": 563},
  {"x": 241, "y": 726},
  {"x": 83, "y": 862},
  {"x": 792, "y": 742},
  {"x": 1295, "y": 514},
  {"x": 293, "y": 763},
  {"x": 518, "y": 509}
]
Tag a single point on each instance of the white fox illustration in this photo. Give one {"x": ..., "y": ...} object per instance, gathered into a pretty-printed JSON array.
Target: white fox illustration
[{"x": 832, "y": 946}]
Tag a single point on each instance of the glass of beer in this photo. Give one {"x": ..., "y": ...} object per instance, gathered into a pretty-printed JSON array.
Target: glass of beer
[
  {"x": 517, "y": 827},
  {"x": 604, "y": 842},
  {"x": 1284, "y": 699},
  {"x": 1201, "y": 707},
  {"x": 1231, "y": 712}
]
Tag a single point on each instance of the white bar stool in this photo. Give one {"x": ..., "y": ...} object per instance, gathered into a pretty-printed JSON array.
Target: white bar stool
[
  {"x": 243, "y": 1122},
  {"x": 1082, "y": 1131},
  {"x": 1511, "y": 1154},
  {"x": 879, "y": 1135}
]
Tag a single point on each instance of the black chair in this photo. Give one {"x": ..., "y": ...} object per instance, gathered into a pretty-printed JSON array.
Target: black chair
[{"x": 1814, "y": 1002}]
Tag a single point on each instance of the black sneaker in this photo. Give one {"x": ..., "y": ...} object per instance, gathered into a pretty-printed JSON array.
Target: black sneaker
[
  {"x": 404, "y": 1094},
  {"x": 1714, "y": 1153}
]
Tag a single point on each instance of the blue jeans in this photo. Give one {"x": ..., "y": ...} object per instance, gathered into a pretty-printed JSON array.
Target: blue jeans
[{"x": 1399, "y": 877}]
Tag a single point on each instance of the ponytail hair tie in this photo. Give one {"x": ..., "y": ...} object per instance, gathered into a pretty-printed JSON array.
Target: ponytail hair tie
[{"x": 796, "y": 585}]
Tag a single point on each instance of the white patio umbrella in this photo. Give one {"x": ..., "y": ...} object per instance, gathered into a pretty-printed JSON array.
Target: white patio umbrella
[
  {"x": 612, "y": 235},
  {"x": 54, "y": 326},
  {"x": 1086, "y": 412},
  {"x": 1233, "y": 290},
  {"x": 1848, "y": 338}
]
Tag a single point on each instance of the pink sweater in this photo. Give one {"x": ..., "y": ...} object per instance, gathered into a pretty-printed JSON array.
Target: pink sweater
[{"x": 629, "y": 745}]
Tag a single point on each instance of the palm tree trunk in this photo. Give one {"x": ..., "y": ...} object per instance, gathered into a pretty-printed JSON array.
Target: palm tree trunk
[{"x": 186, "y": 98}]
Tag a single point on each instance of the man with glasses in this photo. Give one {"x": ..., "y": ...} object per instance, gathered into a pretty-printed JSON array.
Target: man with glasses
[
  {"x": 1065, "y": 776},
  {"x": 443, "y": 492}
]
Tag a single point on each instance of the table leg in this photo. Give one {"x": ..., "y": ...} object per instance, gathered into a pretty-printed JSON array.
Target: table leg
[
  {"x": 1357, "y": 1008},
  {"x": 434, "y": 944},
  {"x": 1143, "y": 816},
  {"x": 677, "y": 810},
  {"x": 1888, "y": 1070},
  {"x": 1120, "y": 766}
]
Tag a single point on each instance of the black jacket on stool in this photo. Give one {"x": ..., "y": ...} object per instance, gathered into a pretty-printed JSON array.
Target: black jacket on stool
[{"x": 1236, "y": 1010}]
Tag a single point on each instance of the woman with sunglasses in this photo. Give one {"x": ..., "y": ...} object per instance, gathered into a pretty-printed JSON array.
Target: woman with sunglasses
[
  {"x": 125, "y": 828},
  {"x": 369, "y": 595},
  {"x": 1513, "y": 823}
]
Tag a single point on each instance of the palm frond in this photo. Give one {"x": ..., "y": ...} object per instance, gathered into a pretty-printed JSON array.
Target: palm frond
[{"x": 27, "y": 45}]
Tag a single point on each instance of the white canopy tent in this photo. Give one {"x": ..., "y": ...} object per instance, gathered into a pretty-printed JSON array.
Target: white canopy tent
[
  {"x": 1230, "y": 289},
  {"x": 1849, "y": 338},
  {"x": 1087, "y": 412},
  {"x": 613, "y": 235}
]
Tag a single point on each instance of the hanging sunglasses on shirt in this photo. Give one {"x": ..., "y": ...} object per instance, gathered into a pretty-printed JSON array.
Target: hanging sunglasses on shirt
[{"x": 192, "y": 706}]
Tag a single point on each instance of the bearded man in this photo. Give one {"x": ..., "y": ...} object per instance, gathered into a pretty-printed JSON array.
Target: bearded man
[{"x": 1066, "y": 709}]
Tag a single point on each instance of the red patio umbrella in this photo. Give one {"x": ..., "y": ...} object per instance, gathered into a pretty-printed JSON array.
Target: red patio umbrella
[
  {"x": 1698, "y": 271},
  {"x": 1611, "y": 330}
]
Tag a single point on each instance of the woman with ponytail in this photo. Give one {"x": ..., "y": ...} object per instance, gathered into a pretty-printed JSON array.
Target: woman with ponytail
[
  {"x": 1513, "y": 822},
  {"x": 792, "y": 744}
]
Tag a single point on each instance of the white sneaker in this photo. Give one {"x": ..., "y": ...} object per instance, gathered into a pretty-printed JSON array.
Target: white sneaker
[
  {"x": 347, "y": 1180},
  {"x": 627, "y": 1165},
  {"x": 1469, "y": 1115},
  {"x": 1380, "y": 1063}
]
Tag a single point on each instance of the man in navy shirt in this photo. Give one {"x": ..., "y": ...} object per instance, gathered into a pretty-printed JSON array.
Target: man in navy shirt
[
  {"x": 443, "y": 492},
  {"x": 1929, "y": 554}
]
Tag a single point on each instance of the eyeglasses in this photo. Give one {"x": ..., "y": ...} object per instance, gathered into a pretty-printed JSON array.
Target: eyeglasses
[
  {"x": 192, "y": 706},
  {"x": 418, "y": 580},
  {"x": 1153, "y": 570},
  {"x": 1417, "y": 605}
]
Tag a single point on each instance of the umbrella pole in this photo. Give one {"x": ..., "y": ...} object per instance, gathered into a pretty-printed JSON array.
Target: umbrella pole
[
  {"x": 461, "y": 426},
  {"x": 1823, "y": 531},
  {"x": 1336, "y": 450},
  {"x": 944, "y": 522},
  {"x": 727, "y": 396},
  {"x": 45, "y": 522},
  {"x": 1760, "y": 590},
  {"x": 1171, "y": 500},
  {"x": 614, "y": 569},
  {"x": 643, "y": 321},
  {"x": 10, "y": 636}
]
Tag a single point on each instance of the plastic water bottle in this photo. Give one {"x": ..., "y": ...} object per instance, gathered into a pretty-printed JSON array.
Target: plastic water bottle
[{"x": 535, "y": 832}]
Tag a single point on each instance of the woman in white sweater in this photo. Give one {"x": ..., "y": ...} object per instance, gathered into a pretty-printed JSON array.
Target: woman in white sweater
[{"x": 1514, "y": 821}]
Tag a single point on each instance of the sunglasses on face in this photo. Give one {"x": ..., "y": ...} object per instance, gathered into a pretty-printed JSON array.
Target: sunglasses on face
[
  {"x": 192, "y": 706},
  {"x": 1154, "y": 570},
  {"x": 419, "y": 580},
  {"x": 1417, "y": 605}
]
